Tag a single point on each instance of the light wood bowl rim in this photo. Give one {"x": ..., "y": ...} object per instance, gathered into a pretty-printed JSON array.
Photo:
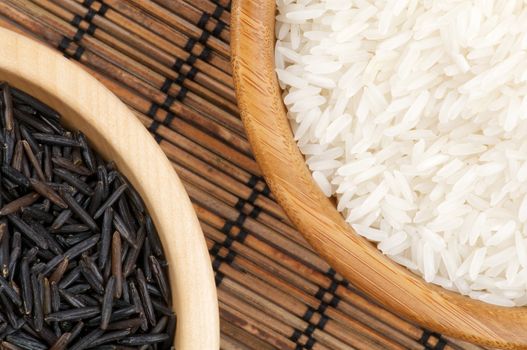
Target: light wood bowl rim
[
  {"x": 267, "y": 126},
  {"x": 114, "y": 131}
]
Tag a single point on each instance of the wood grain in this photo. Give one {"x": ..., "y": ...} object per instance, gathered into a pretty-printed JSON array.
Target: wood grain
[
  {"x": 88, "y": 106},
  {"x": 264, "y": 116}
]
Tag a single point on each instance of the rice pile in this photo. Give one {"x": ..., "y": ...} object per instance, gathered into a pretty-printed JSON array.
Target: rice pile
[{"x": 413, "y": 113}]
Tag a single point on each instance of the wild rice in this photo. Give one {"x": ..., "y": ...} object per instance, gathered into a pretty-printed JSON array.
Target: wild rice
[{"x": 63, "y": 277}]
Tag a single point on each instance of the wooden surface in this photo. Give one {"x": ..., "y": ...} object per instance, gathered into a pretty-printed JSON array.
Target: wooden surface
[
  {"x": 87, "y": 105},
  {"x": 274, "y": 291},
  {"x": 316, "y": 217}
]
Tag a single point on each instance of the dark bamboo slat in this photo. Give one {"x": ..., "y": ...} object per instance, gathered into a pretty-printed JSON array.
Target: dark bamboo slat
[
  {"x": 174, "y": 152},
  {"x": 195, "y": 9},
  {"x": 234, "y": 337},
  {"x": 258, "y": 264},
  {"x": 272, "y": 325},
  {"x": 11, "y": 11},
  {"x": 5, "y": 22},
  {"x": 69, "y": 29},
  {"x": 216, "y": 114},
  {"x": 229, "y": 343},
  {"x": 158, "y": 34},
  {"x": 204, "y": 3}
]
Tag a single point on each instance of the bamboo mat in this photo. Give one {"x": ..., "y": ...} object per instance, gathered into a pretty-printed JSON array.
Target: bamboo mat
[{"x": 169, "y": 61}]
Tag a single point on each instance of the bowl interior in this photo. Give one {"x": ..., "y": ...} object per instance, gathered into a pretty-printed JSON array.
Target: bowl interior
[
  {"x": 283, "y": 165},
  {"x": 112, "y": 129}
]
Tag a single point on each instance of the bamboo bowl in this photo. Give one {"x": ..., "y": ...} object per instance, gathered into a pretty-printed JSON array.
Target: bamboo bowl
[
  {"x": 87, "y": 105},
  {"x": 270, "y": 135}
]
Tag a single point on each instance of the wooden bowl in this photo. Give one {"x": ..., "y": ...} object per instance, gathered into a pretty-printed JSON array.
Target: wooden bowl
[
  {"x": 113, "y": 130},
  {"x": 406, "y": 294}
]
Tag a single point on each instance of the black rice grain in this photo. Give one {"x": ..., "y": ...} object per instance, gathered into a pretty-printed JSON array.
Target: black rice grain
[
  {"x": 145, "y": 339},
  {"x": 110, "y": 201},
  {"x": 116, "y": 264},
  {"x": 65, "y": 163},
  {"x": 62, "y": 342},
  {"x": 145, "y": 297},
  {"x": 28, "y": 231},
  {"x": 14, "y": 257},
  {"x": 18, "y": 204},
  {"x": 15, "y": 176},
  {"x": 26, "y": 342},
  {"x": 74, "y": 181},
  {"x": 38, "y": 315},
  {"x": 4, "y": 249},
  {"x": 60, "y": 270},
  {"x": 107, "y": 303},
  {"x": 161, "y": 279},
  {"x": 129, "y": 323},
  {"x": 111, "y": 337},
  {"x": 79, "y": 211},
  {"x": 88, "y": 339},
  {"x": 25, "y": 282},
  {"x": 57, "y": 140},
  {"x": 8, "y": 290},
  {"x": 47, "y": 191},
  {"x": 123, "y": 229},
  {"x": 76, "y": 314}
]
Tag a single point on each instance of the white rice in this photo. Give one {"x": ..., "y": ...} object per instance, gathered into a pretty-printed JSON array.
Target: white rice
[{"x": 413, "y": 114}]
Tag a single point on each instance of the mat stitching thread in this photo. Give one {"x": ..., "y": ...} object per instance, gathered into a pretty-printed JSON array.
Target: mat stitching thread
[
  {"x": 441, "y": 344},
  {"x": 229, "y": 225},
  {"x": 226, "y": 7},
  {"x": 254, "y": 181},
  {"x": 331, "y": 273},
  {"x": 229, "y": 240},
  {"x": 322, "y": 307},
  {"x": 427, "y": 335},
  {"x": 424, "y": 339},
  {"x": 310, "y": 329},
  {"x": 181, "y": 77},
  {"x": 76, "y": 21}
]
